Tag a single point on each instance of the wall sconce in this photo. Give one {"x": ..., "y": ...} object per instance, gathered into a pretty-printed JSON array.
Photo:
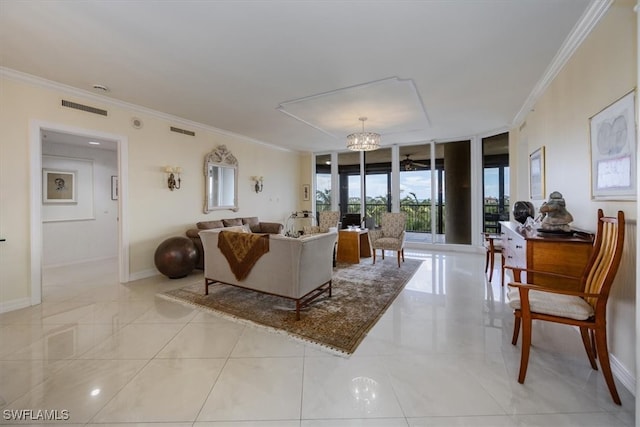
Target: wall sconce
[
  {"x": 258, "y": 186},
  {"x": 171, "y": 181}
]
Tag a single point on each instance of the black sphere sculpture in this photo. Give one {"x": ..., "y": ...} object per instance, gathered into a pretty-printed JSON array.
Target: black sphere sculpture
[
  {"x": 523, "y": 210},
  {"x": 176, "y": 257}
]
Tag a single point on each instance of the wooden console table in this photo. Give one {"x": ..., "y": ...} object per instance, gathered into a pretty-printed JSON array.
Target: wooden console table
[
  {"x": 353, "y": 245},
  {"x": 563, "y": 254}
]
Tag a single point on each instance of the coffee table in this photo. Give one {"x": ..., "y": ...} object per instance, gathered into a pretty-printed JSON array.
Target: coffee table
[{"x": 353, "y": 244}]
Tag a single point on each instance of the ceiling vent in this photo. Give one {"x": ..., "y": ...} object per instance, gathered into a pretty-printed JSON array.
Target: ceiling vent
[
  {"x": 86, "y": 108},
  {"x": 182, "y": 131}
]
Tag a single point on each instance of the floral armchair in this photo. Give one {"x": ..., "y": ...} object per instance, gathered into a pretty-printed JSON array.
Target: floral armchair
[
  {"x": 326, "y": 220},
  {"x": 390, "y": 236}
]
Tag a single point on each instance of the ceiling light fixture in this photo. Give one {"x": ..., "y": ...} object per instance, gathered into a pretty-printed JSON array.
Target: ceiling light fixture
[{"x": 363, "y": 141}]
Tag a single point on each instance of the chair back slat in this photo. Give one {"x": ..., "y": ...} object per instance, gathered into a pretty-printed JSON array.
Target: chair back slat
[{"x": 605, "y": 258}]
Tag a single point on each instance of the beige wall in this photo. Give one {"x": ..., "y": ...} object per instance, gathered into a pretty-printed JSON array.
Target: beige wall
[
  {"x": 155, "y": 213},
  {"x": 603, "y": 69}
]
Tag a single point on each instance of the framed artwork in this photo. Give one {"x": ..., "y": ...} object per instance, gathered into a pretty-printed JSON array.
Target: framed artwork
[
  {"x": 613, "y": 151},
  {"x": 58, "y": 186},
  {"x": 306, "y": 192},
  {"x": 536, "y": 174},
  {"x": 114, "y": 187}
]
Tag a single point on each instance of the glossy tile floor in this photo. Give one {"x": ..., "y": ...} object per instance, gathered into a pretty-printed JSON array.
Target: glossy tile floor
[{"x": 108, "y": 354}]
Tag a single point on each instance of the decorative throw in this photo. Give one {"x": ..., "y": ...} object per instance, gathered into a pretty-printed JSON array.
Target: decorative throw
[{"x": 242, "y": 250}]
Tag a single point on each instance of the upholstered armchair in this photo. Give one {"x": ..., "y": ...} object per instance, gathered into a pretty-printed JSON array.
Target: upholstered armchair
[
  {"x": 326, "y": 220},
  {"x": 390, "y": 236}
]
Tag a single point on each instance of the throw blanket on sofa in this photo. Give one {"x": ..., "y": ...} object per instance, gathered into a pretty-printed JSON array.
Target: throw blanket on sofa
[{"x": 242, "y": 250}]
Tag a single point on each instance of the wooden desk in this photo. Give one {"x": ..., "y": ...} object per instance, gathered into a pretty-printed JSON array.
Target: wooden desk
[
  {"x": 563, "y": 254},
  {"x": 353, "y": 245}
]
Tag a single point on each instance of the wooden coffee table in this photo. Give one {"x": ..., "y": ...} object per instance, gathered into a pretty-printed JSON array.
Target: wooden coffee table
[{"x": 353, "y": 245}]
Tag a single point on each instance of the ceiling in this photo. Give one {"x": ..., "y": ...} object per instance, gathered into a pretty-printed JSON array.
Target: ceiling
[{"x": 299, "y": 74}]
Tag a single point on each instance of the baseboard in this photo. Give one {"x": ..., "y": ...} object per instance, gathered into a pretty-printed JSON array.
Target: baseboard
[
  {"x": 622, "y": 374},
  {"x": 144, "y": 274},
  {"x": 15, "y": 304}
]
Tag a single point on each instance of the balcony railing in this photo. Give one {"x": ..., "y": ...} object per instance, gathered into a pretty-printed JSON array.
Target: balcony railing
[{"x": 419, "y": 215}]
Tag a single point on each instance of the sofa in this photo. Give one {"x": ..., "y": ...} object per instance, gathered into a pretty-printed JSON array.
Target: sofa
[
  {"x": 251, "y": 223},
  {"x": 298, "y": 269}
]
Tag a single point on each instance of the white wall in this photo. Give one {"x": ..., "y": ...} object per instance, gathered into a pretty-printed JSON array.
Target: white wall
[
  {"x": 154, "y": 212},
  {"x": 603, "y": 69},
  {"x": 92, "y": 233}
]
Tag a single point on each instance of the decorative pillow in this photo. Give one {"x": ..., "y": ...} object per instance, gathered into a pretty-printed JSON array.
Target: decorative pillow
[
  {"x": 206, "y": 225},
  {"x": 253, "y": 223},
  {"x": 232, "y": 222}
]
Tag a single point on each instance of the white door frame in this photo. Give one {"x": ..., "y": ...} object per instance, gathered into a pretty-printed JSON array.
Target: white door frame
[{"x": 35, "y": 148}]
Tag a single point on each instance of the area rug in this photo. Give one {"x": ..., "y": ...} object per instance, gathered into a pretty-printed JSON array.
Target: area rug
[{"x": 361, "y": 294}]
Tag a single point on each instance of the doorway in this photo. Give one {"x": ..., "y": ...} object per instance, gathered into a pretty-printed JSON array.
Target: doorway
[{"x": 39, "y": 213}]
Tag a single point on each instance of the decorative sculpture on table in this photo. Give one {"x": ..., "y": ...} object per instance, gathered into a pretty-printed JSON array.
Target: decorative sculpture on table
[
  {"x": 555, "y": 216},
  {"x": 523, "y": 210}
]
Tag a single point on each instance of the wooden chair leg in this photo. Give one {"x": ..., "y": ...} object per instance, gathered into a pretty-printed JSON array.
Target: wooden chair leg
[
  {"x": 588, "y": 346},
  {"x": 516, "y": 328},
  {"x": 526, "y": 345},
  {"x": 374, "y": 256},
  {"x": 603, "y": 351},
  {"x": 398, "y": 259},
  {"x": 491, "y": 261},
  {"x": 486, "y": 262},
  {"x": 402, "y": 251},
  {"x": 593, "y": 343},
  {"x": 382, "y": 250}
]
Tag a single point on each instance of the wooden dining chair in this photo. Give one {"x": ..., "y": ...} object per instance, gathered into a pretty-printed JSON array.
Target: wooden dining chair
[
  {"x": 586, "y": 309},
  {"x": 493, "y": 245}
]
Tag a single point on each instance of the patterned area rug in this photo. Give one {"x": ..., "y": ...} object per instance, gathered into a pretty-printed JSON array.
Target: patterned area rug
[{"x": 361, "y": 294}]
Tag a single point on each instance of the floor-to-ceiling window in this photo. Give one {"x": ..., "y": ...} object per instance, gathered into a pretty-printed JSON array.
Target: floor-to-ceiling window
[
  {"x": 323, "y": 182},
  {"x": 350, "y": 194},
  {"x": 377, "y": 184},
  {"x": 431, "y": 182},
  {"x": 415, "y": 190},
  {"x": 495, "y": 161}
]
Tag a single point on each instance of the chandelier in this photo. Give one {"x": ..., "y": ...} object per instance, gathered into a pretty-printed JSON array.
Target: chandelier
[{"x": 363, "y": 141}]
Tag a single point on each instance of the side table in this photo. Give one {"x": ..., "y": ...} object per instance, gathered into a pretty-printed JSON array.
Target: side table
[{"x": 353, "y": 244}]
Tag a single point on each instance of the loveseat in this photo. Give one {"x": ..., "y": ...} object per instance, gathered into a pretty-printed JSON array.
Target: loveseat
[
  {"x": 253, "y": 223},
  {"x": 299, "y": 269}
]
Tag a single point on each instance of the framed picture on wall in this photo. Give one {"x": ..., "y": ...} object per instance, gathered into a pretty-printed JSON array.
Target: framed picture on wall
[
  {"x": 613, "y": 151},
  {"x": 114, "y": 187},
  {"x": 536, "y": 174},
  {"x": 58, "y": 186},
  {"x": 306, "y": 192}
]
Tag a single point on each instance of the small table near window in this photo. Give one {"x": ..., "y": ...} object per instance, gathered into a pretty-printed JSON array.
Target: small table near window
[{"x": 353, "y": 244}]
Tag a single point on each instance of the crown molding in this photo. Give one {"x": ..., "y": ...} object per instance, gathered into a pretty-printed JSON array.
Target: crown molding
[
  {"x": 52, "y": 85},
  {"x": 590, "y": 18}
]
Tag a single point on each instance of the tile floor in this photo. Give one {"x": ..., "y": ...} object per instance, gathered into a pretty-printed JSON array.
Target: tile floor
[{"x": 112, "y": 355}]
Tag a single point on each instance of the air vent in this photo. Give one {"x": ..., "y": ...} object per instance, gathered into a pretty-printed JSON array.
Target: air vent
[
  {"x": 86, "y": 108},
  {"x": 182, "y": 131}
]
